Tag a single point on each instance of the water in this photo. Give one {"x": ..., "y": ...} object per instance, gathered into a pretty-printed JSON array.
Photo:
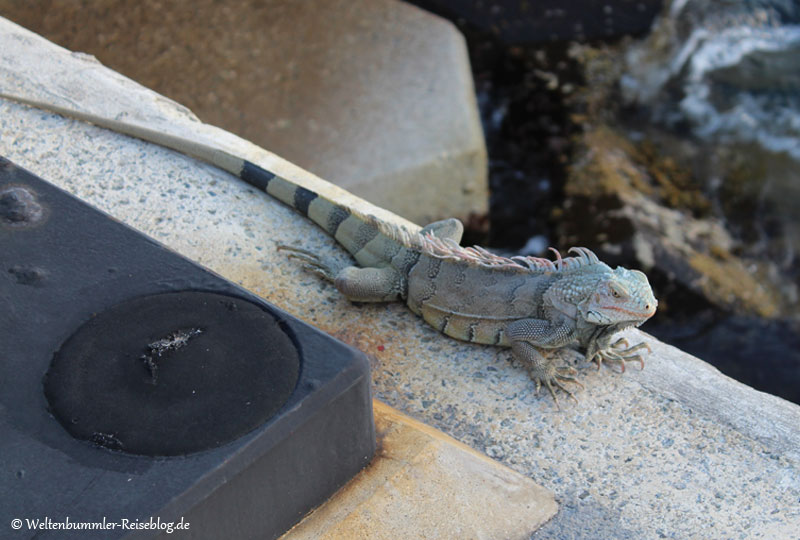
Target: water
[
  {"x": 727, "y": 74},
  {"x": 730, "y": 72}
]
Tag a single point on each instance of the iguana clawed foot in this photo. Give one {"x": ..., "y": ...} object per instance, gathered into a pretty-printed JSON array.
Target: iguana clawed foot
[
  {"x": 554, "y": 377},
  {"x": 541, "y": 365},
  {"x": 310, "y": 262},
  {"x": 620, "y": 352}
]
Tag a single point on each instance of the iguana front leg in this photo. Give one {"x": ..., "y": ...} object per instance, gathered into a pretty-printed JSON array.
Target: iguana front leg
[
  {"x": 369, "y": 284},
  {"x": 536, "y": 343},
  {"x": 601, "y": 349}
]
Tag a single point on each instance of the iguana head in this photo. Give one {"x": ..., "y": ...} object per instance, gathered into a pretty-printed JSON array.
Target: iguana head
[{"x": 621, "y": 296}]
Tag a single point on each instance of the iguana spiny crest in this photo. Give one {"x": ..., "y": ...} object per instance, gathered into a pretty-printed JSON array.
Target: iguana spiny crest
[{"x": 533, "y": 305}]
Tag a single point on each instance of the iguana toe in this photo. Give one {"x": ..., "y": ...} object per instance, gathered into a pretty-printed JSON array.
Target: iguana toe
[
  {"x": 310, "y": 262},
  {"x": 619, "y": 353},
  {"x": 555, "y": 378}
]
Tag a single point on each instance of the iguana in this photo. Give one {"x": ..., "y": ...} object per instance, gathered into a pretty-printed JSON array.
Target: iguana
[{"x": 538, "y": 307}]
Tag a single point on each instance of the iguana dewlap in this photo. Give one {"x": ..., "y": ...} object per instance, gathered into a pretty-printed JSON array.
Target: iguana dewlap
[{"x": 535, "y": 306}]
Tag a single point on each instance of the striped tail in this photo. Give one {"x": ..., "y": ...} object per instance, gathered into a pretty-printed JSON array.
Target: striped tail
[
  {"x": 372, "y": 242},
  {"x": 352, "y": 230}
]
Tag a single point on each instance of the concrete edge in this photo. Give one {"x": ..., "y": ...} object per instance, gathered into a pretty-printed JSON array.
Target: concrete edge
[
  {"x": 679, "y": 376},
  {"x": 396, "y": 495}
]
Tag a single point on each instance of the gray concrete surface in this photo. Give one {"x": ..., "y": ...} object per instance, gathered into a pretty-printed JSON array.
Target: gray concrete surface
[{"x": 675, "y": 451}]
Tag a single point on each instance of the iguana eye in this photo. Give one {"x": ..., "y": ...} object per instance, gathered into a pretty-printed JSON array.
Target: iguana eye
[{"x": 617, "y": 291}]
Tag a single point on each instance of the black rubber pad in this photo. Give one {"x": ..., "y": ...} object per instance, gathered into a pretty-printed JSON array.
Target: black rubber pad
[
  {"x": 170, "y": 374},
  {"x": 135, "y": 359}
]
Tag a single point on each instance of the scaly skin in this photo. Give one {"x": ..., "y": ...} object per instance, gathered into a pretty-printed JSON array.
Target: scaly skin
[
  {"x": 535, "y": 306},
  {"x": 539, "y": 308}
]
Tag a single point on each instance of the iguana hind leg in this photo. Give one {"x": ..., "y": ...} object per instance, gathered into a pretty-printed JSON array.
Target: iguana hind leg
[
  {"x": 369, "y": 284},
  {"x": 311, "y": 262},
  {"x": 451, "y": 229}
]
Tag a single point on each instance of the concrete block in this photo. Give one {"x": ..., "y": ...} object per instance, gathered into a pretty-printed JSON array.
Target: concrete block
[
  {"x": 424, "y": 484},
  {"x": 375, "y": 96}
]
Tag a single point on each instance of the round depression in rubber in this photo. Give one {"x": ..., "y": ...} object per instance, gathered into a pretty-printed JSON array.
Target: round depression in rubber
[{"x": 172, "y": 374}]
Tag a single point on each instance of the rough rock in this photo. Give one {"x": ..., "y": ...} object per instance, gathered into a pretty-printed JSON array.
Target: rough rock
[
  {"x": 620, "y": 200},
  {"x": 727, "y": 73}
]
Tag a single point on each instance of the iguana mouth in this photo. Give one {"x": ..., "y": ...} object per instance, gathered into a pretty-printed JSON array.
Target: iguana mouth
[{"x": 637, "y": 314}]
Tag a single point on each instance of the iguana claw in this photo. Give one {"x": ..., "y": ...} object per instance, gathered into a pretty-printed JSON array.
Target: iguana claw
[
  {"x": 541, "y": 366},
  {"x": 558, "y": 376},
  {"x": 311, "y": 262},
  {"x": 620, "y": 352}
]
